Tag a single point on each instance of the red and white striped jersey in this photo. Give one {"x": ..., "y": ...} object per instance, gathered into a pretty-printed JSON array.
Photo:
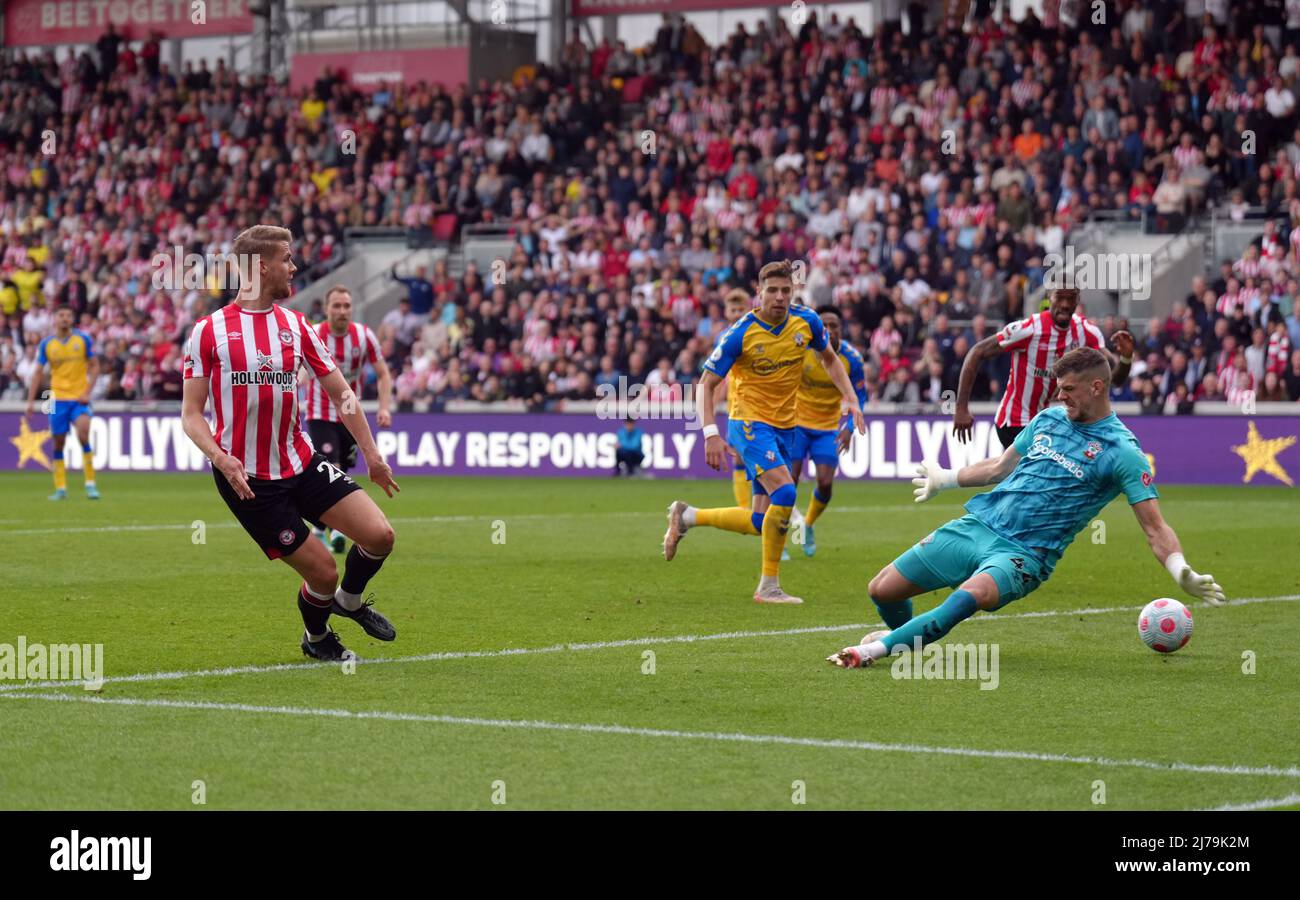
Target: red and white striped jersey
[
  {"x": 252, "y": 359},
  {"x": 1237, "y": 385},
  {"x": 1035, "y": 345},
  {"x": 351, "y": 352},
  {"x": 1228, "y": 303},
  {"x": 1246, "y": 268}
]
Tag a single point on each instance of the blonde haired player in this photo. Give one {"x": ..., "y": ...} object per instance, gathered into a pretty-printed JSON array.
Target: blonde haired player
[{"x": 243, "y": 359}]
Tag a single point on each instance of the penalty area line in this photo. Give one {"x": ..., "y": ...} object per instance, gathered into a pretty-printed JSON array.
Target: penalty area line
[
  {"x": 711, "y": 736},
  {"x": 576, "y": 647}
]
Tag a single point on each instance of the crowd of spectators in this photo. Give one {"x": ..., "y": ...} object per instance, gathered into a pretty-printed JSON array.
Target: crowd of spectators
[{"x": 922, "y": 178}]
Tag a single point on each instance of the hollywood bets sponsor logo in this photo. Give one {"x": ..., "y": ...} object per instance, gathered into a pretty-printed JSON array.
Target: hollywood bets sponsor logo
[{"x": 285, "y": 381}]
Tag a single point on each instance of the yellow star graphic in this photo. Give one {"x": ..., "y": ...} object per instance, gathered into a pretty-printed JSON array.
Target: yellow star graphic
[
  {"x": 1261, "y": 455},
  {"x": 31, "y": 445}
]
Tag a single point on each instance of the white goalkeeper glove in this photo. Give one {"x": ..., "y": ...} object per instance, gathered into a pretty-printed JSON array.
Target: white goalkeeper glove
[
  {"x": 931, "y": 479},
  {"x": 1202, "y": 587}
]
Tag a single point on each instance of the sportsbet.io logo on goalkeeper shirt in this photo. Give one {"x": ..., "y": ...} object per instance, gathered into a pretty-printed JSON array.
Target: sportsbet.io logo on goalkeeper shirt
[{"x": 1068, "y": 474}]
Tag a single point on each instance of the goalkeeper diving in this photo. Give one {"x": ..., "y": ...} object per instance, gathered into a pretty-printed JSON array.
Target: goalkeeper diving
[{"x": 1069, "y": 462}]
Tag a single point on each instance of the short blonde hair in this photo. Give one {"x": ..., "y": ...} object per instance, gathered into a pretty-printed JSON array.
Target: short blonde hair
[{"x": 261, "y": 240}]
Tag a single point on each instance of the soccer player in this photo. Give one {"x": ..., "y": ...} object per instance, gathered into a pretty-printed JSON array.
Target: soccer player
[
  {"x": 1035, "y": 344},
  {"x": 352, "y": 346},
  {"x": 735, "y": 305},
  {"x": 819, "y": 431},
  {"x": 245, "y": 358},
  {"x": 767, "y": 348},
  {"x": 1056, "y": 476},
  {"x": 70, "y": 355}
]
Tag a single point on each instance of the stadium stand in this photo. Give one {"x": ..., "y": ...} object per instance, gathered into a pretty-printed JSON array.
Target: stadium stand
[{"x": 922, "y": 177}]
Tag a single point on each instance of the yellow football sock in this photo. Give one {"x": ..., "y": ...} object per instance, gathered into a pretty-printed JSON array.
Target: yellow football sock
[
  {"x": 60, "y": 475},
  {"x": 88, "y": 464},
  {"x": 740, "y": 487},
  {"x": 815, "y": 507},
  {"x": 775, "y": 526},
  {"x": 729, "y": 518}
]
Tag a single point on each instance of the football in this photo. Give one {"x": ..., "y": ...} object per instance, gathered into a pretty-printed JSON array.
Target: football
[{"x": 1165, "y": 625}]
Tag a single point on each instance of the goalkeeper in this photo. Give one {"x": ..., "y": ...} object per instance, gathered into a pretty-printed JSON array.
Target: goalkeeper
[{"x": 1056, "y": 476}]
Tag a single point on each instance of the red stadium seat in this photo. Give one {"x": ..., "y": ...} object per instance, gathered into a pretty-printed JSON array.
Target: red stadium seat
[{"x": 444, "y": 228}]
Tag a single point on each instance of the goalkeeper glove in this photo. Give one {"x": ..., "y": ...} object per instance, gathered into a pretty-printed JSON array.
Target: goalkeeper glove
[
  {"x": 1202, "y": 587},
  {"x": 931, "y": 479}
]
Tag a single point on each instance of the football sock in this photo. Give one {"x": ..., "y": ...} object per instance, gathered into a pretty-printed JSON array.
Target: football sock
[
  {"x": 60, "y": 474},
  {"x": 357, "y": 572},
  {"x": 315, "y": 610},
  {"x": 928, "y": 626},
  {"x": 740, "y": 487},
  {"x": 729, "y": 518},
  {"x": 88, "y": 463},
  {"x": 894, "y": 615},
  {"x": 816, "y": 505},
  {"x": 776, "y": 524}
]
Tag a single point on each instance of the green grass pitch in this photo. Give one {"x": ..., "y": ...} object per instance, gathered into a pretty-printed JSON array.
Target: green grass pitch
[{"x": 748, "y": 721}]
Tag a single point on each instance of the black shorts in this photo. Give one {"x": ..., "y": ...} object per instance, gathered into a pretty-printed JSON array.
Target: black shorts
[
  {"x": 1007, "y": 434},
  {"x": 333, "y": 441},
  {"x": 274, "y": 517}
]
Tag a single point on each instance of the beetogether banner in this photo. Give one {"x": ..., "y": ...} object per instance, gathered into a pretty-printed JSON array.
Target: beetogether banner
[{"x": 1183, "y": 449}]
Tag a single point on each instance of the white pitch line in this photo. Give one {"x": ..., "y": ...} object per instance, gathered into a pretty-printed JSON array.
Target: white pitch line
[
  {"x": 717, "y": 736},
  {"x": 653, "y": 515},
  {"x": 583, "y": 646},
  {"x": 1289, "y": 800}
]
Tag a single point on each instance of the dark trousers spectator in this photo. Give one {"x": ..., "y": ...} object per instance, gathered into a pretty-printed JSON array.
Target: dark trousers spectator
[{"x": 627, "y": 459}]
